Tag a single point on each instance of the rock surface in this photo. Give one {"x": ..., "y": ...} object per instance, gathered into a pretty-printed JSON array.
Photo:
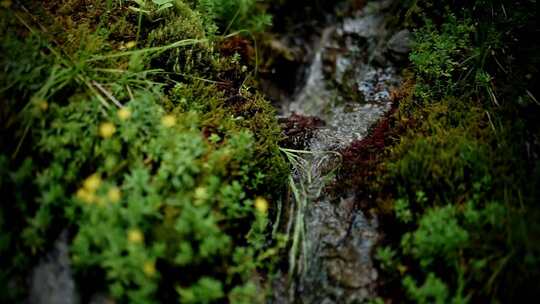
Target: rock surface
[
  {"x": 347, "y": 88},
  {"x": 52, "y": 279},
  {"x": 400, "y": 44}
]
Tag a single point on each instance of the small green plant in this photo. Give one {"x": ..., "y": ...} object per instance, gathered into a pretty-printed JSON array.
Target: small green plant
[
  {"x": 236, "y": 14},
  {"x": 439, "y": 236},
  {"x": 149, "y": 7},
  {"x": 463, "y": 200},
  {"x": 432, "y": 291},
  {"x": 386, "y": 256},
  {"x": 402, "y": 210},
  {"x": 440, "y": 57}
]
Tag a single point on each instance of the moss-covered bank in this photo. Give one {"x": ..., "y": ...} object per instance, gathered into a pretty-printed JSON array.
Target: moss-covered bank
[
  {"x": 132, "y": 126},
  {"x": 454, "y": 171}
]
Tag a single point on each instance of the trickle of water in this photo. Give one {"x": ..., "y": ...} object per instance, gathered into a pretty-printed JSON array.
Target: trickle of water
[
  {"x": 313, "y": 96},
  {"x": 333, "y": 263}
]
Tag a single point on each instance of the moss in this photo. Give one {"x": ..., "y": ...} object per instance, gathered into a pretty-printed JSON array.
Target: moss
[
  {"x": 153, "y": 160},
  {"x": 442, "y": 165},
  {"x": 175, "y": 25},
  {"x": 242, "y": 112},
  {"x": 459, "y": 160},
  {"x": 183, "y": 23}
]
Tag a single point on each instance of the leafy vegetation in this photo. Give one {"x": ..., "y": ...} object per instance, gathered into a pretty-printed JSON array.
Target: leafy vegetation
[
  {"x": 129, "y": 129},
  {"x": 137, "y": 129},
  {"x": 237, "y": 15},
  {"x": 462, "y": 178}
]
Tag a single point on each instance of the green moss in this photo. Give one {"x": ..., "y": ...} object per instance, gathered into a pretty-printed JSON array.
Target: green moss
[
  {"x": 459, "y": 177},
  {"x": 181, "y": 23},
  {"x": 248, "y": 15},
  {"x": 442, "y": 165},
  {"x": 246, "y": 112},
  {"x": 151, "y": 163}
]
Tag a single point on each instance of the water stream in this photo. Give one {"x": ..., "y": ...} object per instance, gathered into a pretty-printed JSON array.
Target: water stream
[{"x": 347, "y": 86}]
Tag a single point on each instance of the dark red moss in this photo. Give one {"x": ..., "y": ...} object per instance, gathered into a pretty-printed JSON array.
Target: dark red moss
[
  {"x": 362, "y": 173},
  {"x": 363, "y": 160},
  {"x": 238, "y": 45},
  {"x": 298, "y": 129}
]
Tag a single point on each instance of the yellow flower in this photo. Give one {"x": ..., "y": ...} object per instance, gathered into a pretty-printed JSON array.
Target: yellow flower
[
  {"x": 135, "y": 236},
  {"x": 168, "y": 121},
  {"x": 201, "y": 194},
  {"x": 86, "y": 196},
  {"x": 107, "y": 129},
  {"x": 149, "y": 268},
  {"x": 131, "y": 44},
  {"x": 43, "y": 105},
  {"x": 114, "y": 195},
  {"x": 261, "y": 204},
  {"x": 92, "y": 183},
  {"x": 402, "y": 268},
  {"x": 81, "y": 193},
  {"x": 124, "y": 114}
]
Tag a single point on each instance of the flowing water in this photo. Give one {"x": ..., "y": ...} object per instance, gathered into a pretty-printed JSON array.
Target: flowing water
[{"x": 347, "y": 86}]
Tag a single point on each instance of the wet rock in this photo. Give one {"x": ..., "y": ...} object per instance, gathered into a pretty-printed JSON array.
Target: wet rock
[
  {"x": 400, "y": 42},
  {"x": 368, "y": 26},
  {"x": 399, "y": 45},
  {"x": 347, "y": 88},
  {"x": 376, "y": 83},
  {"x": 340, "y": 266},
  {"x": 345, "y": 124},
  {"x": 52, "y": 279},
  {"x": 314, "y": 96},
  {"x": 299, "y": 129}
]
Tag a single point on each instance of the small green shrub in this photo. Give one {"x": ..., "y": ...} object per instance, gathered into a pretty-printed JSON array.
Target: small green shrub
[
  {"x": 403, "y": 211},
  {"x": 439, "y": 57},
  {"x": 439, "y": 236},
  {"x": 432, "y": 291},
  {"x": 386, "y": 256},
  {"x": 236, "y": 15}
]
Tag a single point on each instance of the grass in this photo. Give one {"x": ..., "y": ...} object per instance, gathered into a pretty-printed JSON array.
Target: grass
[
  {"x": 125, "y": 137},
  {"x": 306, "y": 185}
]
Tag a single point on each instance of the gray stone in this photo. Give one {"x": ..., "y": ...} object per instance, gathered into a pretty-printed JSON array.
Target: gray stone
[
  {"x": 52, "y": 281},
  {"x": 400, "y": 43},
  {"x": 335, "y": 264},
  {"x": 366, "y": 26}
]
